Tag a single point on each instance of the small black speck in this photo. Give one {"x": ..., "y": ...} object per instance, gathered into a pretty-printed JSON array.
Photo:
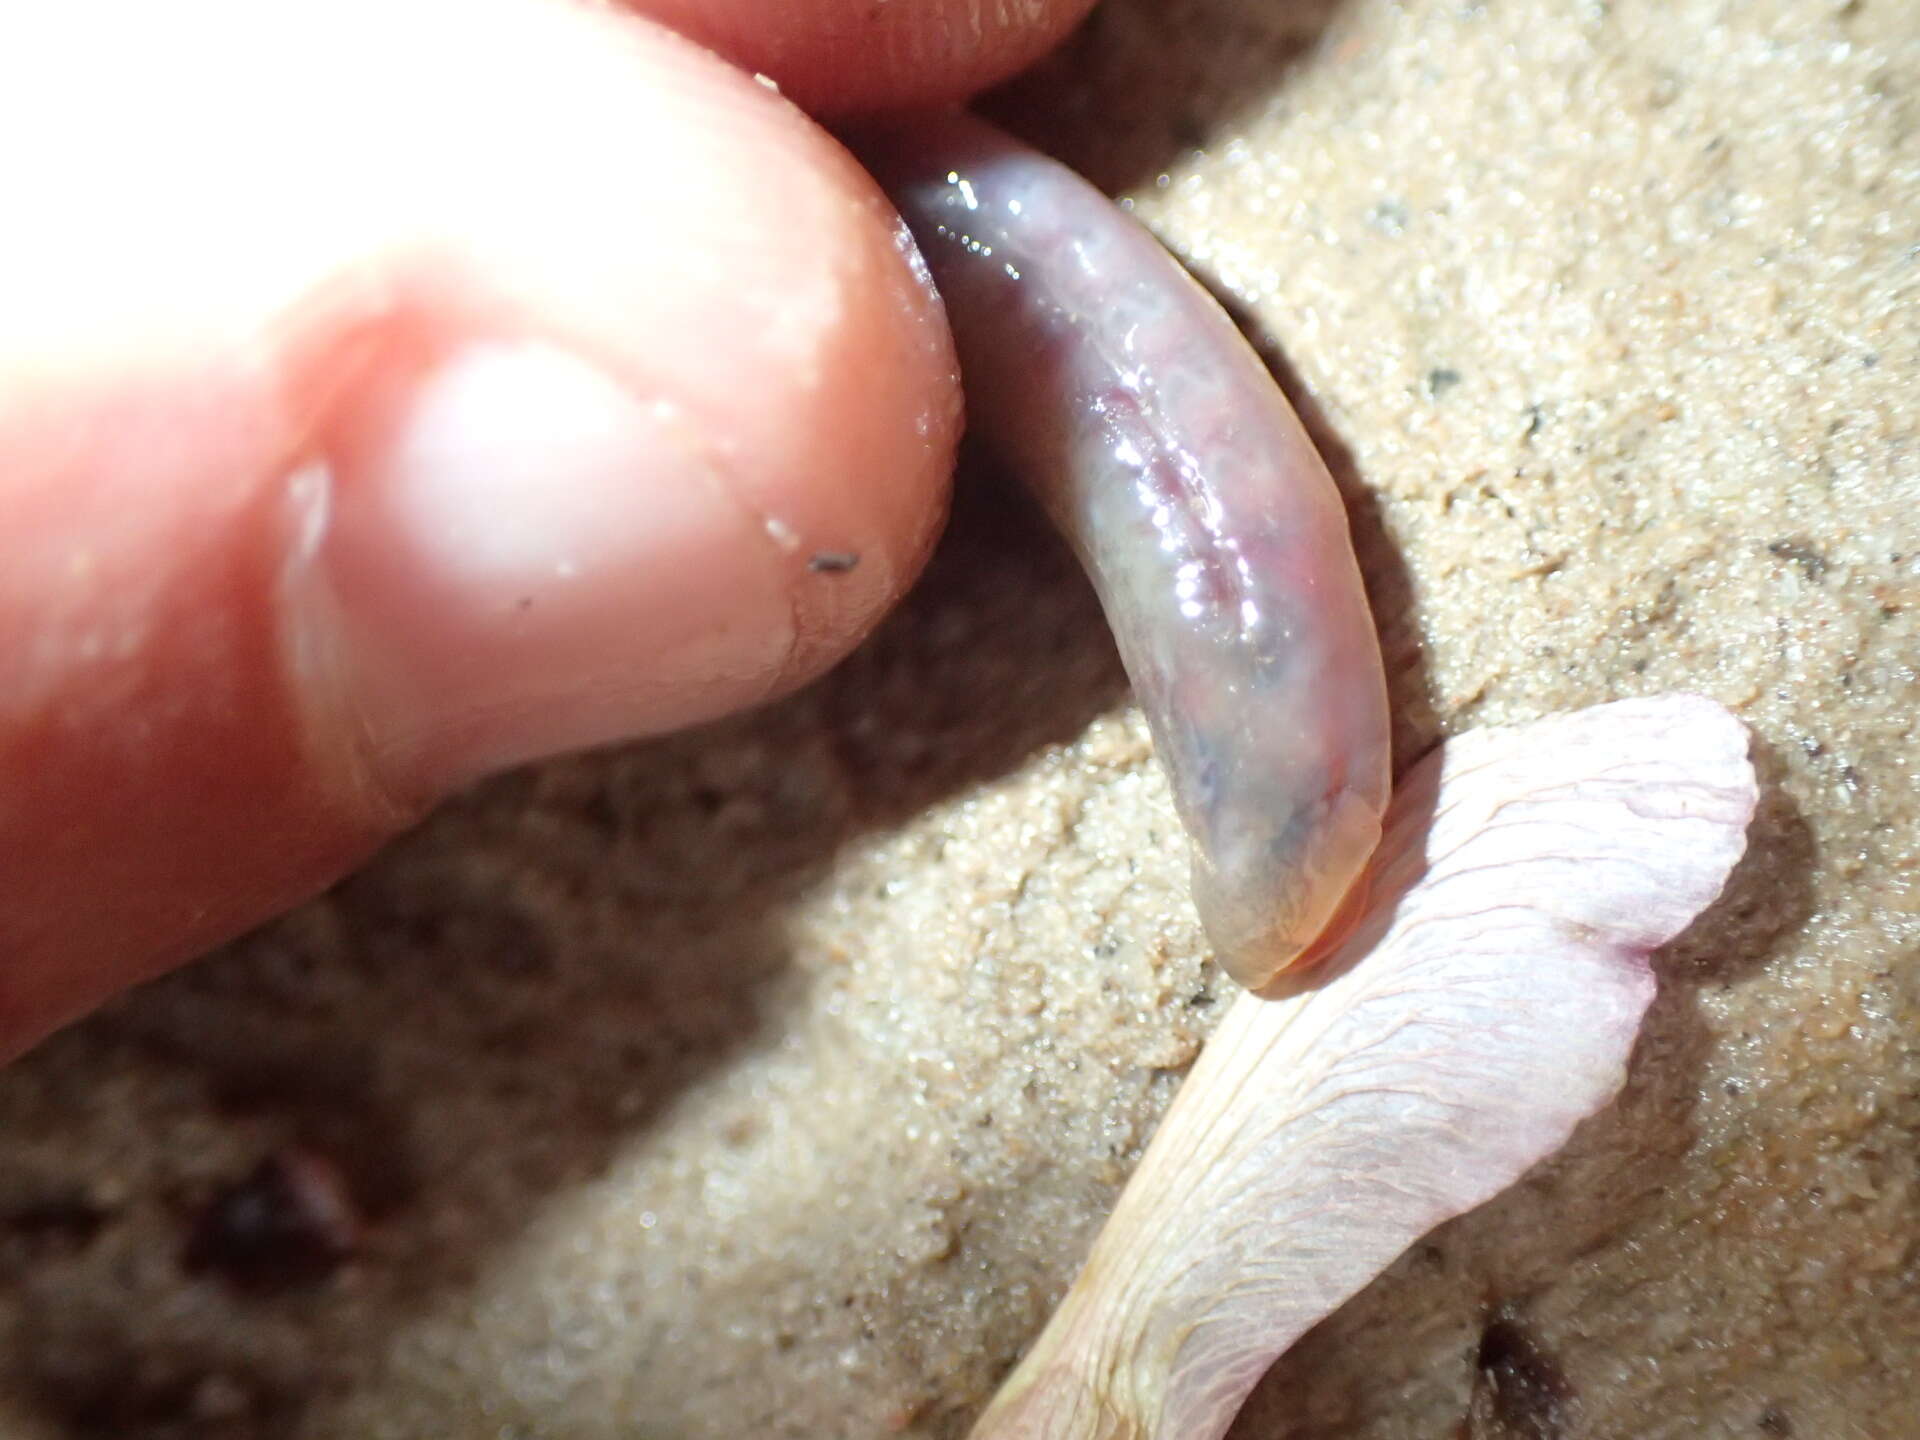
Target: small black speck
[
  {"x": 1199, "y": 1000},
  {"x": 65, "y": 1222},
  {"x": 1441, "y": 380},
  {"x": 1524, "y": 1389},
  {"x": 1187, "y": 132},
  {"x": 1802, "y": 553},
  {"x": 1535, "y": 419},
  {"x": 288, "y": 1225},
  {"x": 1773, "y": 1421},
  {"x": 1869, "y": 360},
  {"x": 832, "y": 562},
  {"x": 523, "y": 604}
]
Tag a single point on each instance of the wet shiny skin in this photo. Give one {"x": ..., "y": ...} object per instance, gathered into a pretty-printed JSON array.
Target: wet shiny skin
[{"x": 1159, "y": 443}]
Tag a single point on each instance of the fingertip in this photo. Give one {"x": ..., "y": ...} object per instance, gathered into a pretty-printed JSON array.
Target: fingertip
[
  {"x": 657, "y": 453},
  {"x": 528, "y": 555},
  {"x": 856, "y": 57}
]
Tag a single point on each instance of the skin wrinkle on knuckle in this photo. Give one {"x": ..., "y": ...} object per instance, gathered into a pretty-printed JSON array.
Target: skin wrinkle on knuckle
[
  {"x": 333, "y": 734},
  {"x": 784, "y": 546},
  {"x": 792, "y": 580}
]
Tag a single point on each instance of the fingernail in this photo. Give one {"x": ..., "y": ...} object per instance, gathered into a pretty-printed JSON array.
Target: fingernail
[{"x": 530, "y": 558}]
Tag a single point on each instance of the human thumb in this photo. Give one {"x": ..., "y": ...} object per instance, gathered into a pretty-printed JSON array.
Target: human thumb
[{"x": 411, "y": 392}]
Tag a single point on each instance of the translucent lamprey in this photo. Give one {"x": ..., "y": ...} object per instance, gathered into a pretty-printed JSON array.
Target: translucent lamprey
[
  {"x": 1156, "y": 439},
  {"x": 1485, "y": 1004}
]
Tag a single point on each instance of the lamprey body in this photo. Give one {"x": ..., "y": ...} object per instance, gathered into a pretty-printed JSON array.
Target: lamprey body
[{"x": 1096, "y": 367}]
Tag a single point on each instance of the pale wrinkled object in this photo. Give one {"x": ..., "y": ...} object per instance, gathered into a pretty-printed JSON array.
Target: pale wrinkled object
[{"x": 1486, "y": 1005}]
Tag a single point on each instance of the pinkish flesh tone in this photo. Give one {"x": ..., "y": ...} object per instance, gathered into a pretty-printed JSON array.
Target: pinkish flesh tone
[{"x": 1156, "y": 439}]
